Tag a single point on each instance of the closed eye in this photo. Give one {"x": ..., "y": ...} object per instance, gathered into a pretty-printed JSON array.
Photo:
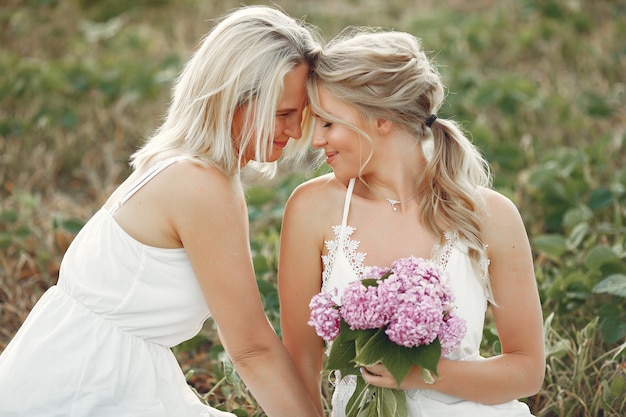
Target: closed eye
[{"x": 323, "y": 122}]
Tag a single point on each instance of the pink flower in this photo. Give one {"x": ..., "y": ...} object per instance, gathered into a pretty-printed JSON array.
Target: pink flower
[
  {"x": 451, "y": 333},
  {"x": 365, "y": 307},
  {"x": 416, "y": 322},
  {"x": 376, "y": 272},
  {"x": 325, "y": 316},
  {"x": 415, "y": 297},
  {"x": 417, "y": 269},
  {"x": 411, "y": 303}
]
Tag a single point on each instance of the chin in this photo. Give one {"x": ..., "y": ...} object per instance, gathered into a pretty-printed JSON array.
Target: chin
[{"x": 274, "y": 157}]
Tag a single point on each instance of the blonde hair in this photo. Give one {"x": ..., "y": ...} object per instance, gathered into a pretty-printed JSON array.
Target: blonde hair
[
  {"x": 240, "y": 63},
  {"x": 386, "y": 74}
]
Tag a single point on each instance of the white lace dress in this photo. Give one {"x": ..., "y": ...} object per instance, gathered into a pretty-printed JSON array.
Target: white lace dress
[
  {"x": 98, "y": 343},
  {"x": 344, "y": 264}
]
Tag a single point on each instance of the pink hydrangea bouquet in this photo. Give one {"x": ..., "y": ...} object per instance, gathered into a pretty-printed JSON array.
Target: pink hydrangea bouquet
[{"x": 399, "y": 317}]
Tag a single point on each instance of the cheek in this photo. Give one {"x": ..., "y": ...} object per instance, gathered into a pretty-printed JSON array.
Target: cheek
[
  {"x": 346, "y": 139},
  {"x": 279, "y": 127}
]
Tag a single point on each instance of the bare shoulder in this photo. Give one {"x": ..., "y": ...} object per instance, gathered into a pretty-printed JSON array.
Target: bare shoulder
[
  {"x": 496, "y": 202},
  {"x": 315, "y": 205},
  {"x": 192, "y": 182},
  {"x": 195, "y": 174},
  {"x": 324, "y": 187},
  {"x": 321, "y": 194},
  {"x": 501, "y": 220},
  {"x": 200, "y": 196}
]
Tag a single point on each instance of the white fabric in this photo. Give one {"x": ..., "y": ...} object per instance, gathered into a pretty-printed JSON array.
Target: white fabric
[
  {"x": 344, "y": 264},
  {"x": 98, "y": 343}
]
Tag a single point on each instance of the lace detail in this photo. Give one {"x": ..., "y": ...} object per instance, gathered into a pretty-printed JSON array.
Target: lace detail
[
  {"x": 342, "y": 242},
  {"x": 441, "y": 254}
]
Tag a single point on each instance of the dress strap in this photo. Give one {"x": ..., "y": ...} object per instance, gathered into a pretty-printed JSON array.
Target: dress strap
[
  {"x": 147, "y": 176},
  {"x": 346, "y": 204}
]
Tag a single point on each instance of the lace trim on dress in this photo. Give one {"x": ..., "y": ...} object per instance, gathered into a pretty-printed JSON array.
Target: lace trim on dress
[
  {"x": 342, "y": 242},
  {"x": 441, "y": 254}
]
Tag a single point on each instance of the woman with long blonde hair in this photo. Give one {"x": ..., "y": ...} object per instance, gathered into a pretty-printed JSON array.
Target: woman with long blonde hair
[
  {"x": 407, "y": 183},
  {"x": 170, "y": 247}
]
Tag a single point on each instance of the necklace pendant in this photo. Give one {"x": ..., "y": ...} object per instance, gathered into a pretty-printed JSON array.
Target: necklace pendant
[{"x": 393, "y": 203}]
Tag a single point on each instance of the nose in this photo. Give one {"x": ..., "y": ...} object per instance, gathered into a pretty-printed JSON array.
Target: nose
[
  {"x": 293, "y": 127},
  {"x": 318, "y": 140}
]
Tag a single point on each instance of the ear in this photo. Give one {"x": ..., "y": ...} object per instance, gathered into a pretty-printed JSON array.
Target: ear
[{"x": 383, "y": 126}]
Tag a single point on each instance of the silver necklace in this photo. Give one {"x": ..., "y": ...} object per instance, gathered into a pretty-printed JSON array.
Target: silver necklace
[
  {"x": 391, "y": 201},
  {"x": 397, "y": 202}
]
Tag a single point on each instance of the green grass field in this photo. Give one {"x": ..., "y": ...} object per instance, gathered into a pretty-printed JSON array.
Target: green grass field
[{"x": 539, "y": 85}]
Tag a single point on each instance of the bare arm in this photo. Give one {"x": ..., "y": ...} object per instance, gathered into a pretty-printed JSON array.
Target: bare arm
[
  {"x": 519, "y": 370},
  {"x": 214, "y": 232},
  {"x": 299, "y": 279}
]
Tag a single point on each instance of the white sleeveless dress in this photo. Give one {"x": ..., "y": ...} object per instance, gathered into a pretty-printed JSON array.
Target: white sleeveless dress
[
  {"x": 98, "y": 343},
  {"x": 344, "y": 264}
]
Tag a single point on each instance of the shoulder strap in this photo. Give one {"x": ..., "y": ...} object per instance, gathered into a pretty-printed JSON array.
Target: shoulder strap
[
  {"x": 147, "y": 176},
  {"x": 346, "y": 204}
]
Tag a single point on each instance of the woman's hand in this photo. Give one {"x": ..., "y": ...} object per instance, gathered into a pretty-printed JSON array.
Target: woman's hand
[{"x": 379, "y": 376}]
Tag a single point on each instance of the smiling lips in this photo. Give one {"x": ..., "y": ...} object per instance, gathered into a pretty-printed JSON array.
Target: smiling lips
[
  {"x": 280, "y": 144},
  {"x": 330, "y": 156}
]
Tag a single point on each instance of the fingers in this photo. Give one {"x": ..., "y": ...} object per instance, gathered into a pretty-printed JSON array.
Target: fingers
[
  {"x": 366, "y": 371},
  {"x": 372, "y": 376}
]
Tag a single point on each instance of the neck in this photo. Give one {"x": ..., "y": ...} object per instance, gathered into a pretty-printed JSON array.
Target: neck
[{"x": 395, "y": 200}]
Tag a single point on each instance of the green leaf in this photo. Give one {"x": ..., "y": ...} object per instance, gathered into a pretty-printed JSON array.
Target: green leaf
[
  {"x": 5, "y": 240},
  {"x": 551, "y": 245},
  {"x": 229, "y": 372},
  {"x": 613, "y": 284},
  {"x": 577, "y": 235},
  {"x": 22, "y": 231},
  {"x": 427, "y": 376},
  {"x": 400, "y": 395},
  {"x": 342, "y": 351},
  {"x": 397, "y": 359},
  {"x": 370, "y": 401},
  {"x": 265, "y": 287},
  {"x": 8, "y": 216},
  {"x": 362, "y": 394},
  {"x": 574, "y": 216},
  {"x": 369, "y": 282},
  {"x": 261, "y": 264},
  {"x": 371, "y": 350},
  {"x": 398, "y": 362},
  {"x": 73, "y": 225},
  {"x": 427, "y": 356},
  {"x": 613, "y": 329},
  {"x": 599, "y": 256},
  {"x": 386, "y": 402},
  {"x": 600, "y": 198},
  {"x": 618, "y": 386},
  {"x": 371, "y": 409}
]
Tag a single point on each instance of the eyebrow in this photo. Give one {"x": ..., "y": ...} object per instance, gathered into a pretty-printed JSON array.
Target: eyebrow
[{"x": 292, "y": 109}]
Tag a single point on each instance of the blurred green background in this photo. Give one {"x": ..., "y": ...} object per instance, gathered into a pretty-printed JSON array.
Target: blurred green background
[{"x": 539, "y": 85}]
